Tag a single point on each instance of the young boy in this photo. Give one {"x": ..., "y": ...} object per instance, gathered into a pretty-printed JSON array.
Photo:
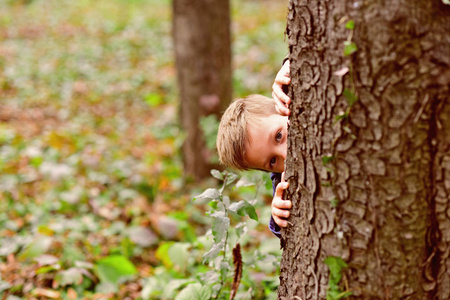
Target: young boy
[{"x": 253, "y": 135}]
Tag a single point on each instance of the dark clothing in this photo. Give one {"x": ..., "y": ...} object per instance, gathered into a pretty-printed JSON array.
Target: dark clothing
[{"x": 276, "y": 179}]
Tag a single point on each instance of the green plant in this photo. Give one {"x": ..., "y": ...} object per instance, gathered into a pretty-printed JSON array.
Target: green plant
[
  {"x": 215, "y": 272},
  {"x": 336, "y": 265},
  {"x": 221, "y": 211}
]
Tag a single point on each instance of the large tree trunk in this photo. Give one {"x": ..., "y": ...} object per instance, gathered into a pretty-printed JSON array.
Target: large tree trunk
[
  {"x": 369, "y": 151},
  {"x": 203, "y": 57}
]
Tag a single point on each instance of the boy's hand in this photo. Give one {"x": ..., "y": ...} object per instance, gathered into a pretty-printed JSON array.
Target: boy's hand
[
  {"x": 281, "y": 99},
  {"x": 280, "y": 207}
]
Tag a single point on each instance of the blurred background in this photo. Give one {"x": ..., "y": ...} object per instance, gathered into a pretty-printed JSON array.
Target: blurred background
[{"x": 95, "y": 200}]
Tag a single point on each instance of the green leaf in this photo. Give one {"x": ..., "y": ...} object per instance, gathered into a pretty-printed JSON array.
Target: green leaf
[
  {"x": 333, "y": 294},
  {"x": 335, "y": 264},
  {"x": 151, "y": 288},
  {"x": 224, "y": 268},
  {"x": 172, "y": 286},
  {"x": 226, "y": 201},
  {"x": 350, "y": 24},
  {"x": 36, "y": 161},
  {"x": 220, "y": 225},
  {"x": 146, "y": 190},
  {"x": 217, "y": 174},
  {"x": 350, "y": 96},
  {"x": 179, "y": 255},
  {"x": 153, "y": 99},
  {"x": 231, "y": 177},
  {"x": 349, "y": 48},
  {"x": 244, "y": 182},
  {"x": 47, "y": 269},
  {"x": 213, "y": 252},
  {"x": 327, "y": 159},
  {"x": 113, "y": 268},
  {"x": 243, "y": 208},
  {"x": 336, "y": 294},
  {"x": 162, "y": 253},
  {"x": 334, "y": 202},
  {"x": 72, "y": 276},
  {"x": 241, "y": 228},
  {"x": 36, "y": 248},
  {"x": 194, "y": 291},
  {"x": 210, "y": 193}
]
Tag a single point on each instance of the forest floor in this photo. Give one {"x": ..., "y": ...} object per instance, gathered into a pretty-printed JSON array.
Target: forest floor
[{"x": 93, "y": 204}]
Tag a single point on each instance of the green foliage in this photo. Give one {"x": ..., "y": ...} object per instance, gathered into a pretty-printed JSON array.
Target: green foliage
[
  {"x": 225, "y": 233},
  {"x": 113, "y": 268},
  {"x": 350, "y": 25},
  {"x": 350, "y": 96},
  {"x": 336, "y": 265},
  {"x": 194, "y": 291},
  {"x": 37, "y": 247},
  {"x": 153, "y": 99},
  {"x": 72, "y": 276},
  {"x": 243, "y": 208},
  {"x": 334, "y": 202},
  {"x": 327, "y": 159},
  {"x": 349, "y": 48},
  {"x": 93, "y": 204}
]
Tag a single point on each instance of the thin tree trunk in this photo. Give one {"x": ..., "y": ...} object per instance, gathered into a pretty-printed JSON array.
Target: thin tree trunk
[
  {"x": 203, "y": 57},
  {"x": 369, "y": 149}
]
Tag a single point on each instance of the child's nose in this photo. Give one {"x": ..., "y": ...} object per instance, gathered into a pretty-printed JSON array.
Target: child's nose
[
  {"x": 282, "y": 155},
  {"x": 283, "y": 150}
]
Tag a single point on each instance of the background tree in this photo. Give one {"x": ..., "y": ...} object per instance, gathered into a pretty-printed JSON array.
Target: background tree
[
  {"x": 369, "y": 150},
  {"x": 203, "y": 59}
]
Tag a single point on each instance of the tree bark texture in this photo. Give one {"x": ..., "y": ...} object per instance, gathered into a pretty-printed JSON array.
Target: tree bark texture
[
  {"x": 201, "y": 30},
  {"x": 369, "y": 178}
]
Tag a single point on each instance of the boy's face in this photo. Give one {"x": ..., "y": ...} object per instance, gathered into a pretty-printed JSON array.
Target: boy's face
[{"x": 266, "y": 147}]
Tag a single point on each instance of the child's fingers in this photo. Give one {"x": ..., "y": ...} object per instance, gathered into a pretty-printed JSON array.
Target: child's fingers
[
  {"x": 283, "y": 80},
  {"x": 280, "y": 189},
  {"x": 280, "y": 222},
  {"x": 280, "y": 106},
  {"x": 280, "y": 213},
  {"x": 279, "y": 94},
  {"x": 281, "y": 204}
]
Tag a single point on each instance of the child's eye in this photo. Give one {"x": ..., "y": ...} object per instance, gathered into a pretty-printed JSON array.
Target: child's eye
[
  {"x": 273, "y": 161},
  {"x": 279, "y": 136}
]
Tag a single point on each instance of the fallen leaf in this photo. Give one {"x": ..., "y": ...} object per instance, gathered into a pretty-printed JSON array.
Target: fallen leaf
[{"x": 46, "y": 293}]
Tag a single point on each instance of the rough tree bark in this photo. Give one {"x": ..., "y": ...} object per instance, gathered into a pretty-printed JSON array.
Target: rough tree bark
[
  {"x": 369, "y": 149},
  {"x": 201, "y": 30}
]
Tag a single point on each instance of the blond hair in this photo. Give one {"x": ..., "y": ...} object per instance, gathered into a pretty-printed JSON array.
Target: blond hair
[{"x": 233, "y": 129}]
